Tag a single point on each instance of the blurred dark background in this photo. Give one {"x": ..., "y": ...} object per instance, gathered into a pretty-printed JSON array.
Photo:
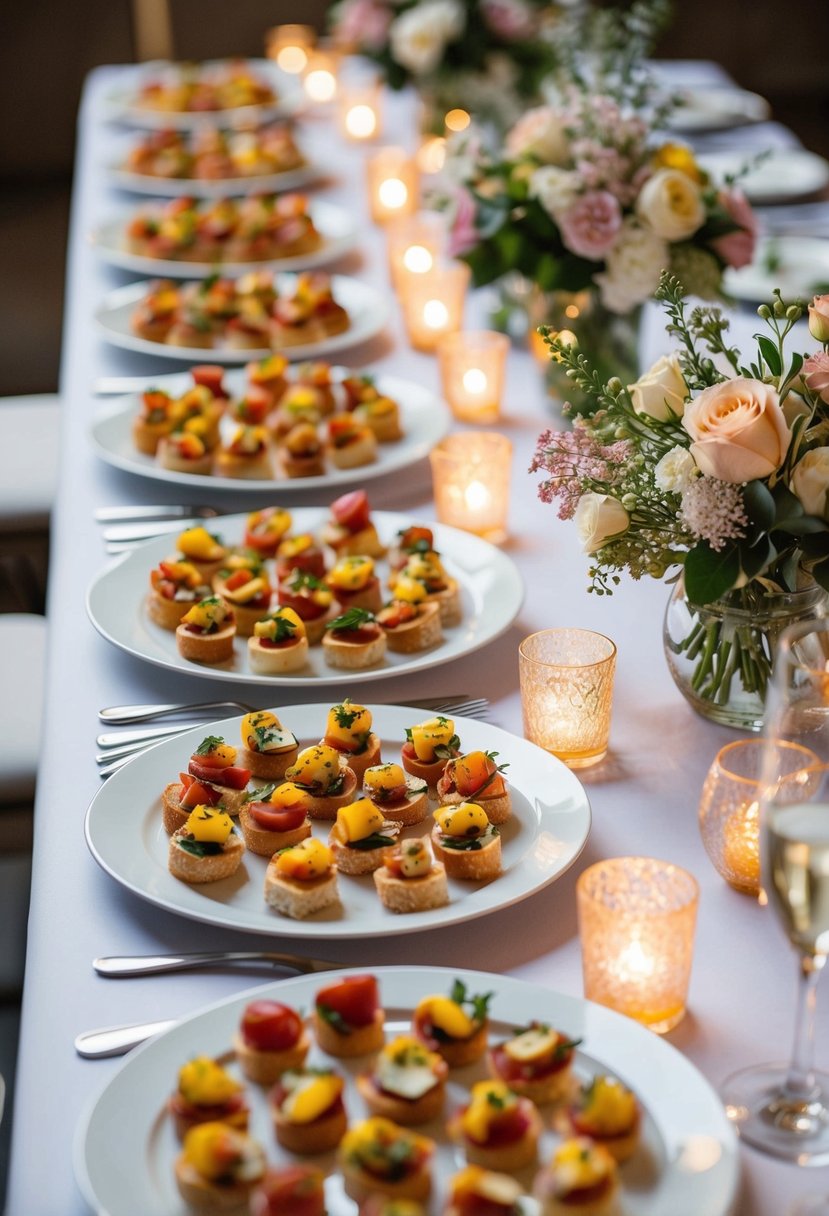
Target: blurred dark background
[{"x": 780, "y": 52}]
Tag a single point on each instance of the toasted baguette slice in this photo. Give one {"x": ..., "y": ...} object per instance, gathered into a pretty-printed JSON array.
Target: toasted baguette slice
[
  {"x": 412, "y": 894},
  {"x": 173, "y": 815},
  {"x": 315, "y": 630},
  {"x": 497, "y": 807},
  {"x": 265, "y": 843},
  {"x": 300, "y": 466},
  {"x": 360, "y": 1184},
  {"x": 146, "y": 435},
  {"x": 360, "y": 1041},
  {"x": 168, "y": 457},
  {"x": 554, "y": 1087},
  {"x": 231, "y": 800},
  {"x": 192, "y": 869},
  {"x": 359, "y": 861},
  {"x": 431, "y": 773},
  {"x": 602, "y": 1201},
  {"x": 318, "y": 1136},
  {"x": 353, "y": 656},
  {"x": 412, "y": 809},
  {"x": 473, "y": 865},
  {"x": 244, "y": 616},
  {"x": 299, "y": 899},
  {"x": 408, "y": 1112},
  {"x": 363, "y": 543},
  {"x": 424, "y": 631},
  {"x": 620, "y": 1147},
  {"x": 206, "y": 647},
  {"x": 207, "y": 1196},
  {"x": 269, "y": 766},
  {"x": 251, "y": 468},
  {"x": 506, "y": 1158},
  {"x": 167, "y": 613},
  {"x": 362, "y": 451},
  {"x": 266, "y": 1067},
  {"x": 449, "y": 603},
  {"x": 326, "y": 808},
  {"x": 369, "y": 597},
  {"x": 358, "y": 762},
  {"x": 273, "y": 660}
]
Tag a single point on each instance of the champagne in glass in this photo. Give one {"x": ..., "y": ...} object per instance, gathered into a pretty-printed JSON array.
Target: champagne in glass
[{"x": 784, "y": 1110}]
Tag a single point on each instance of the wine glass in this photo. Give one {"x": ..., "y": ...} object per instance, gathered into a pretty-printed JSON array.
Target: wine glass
[{"x": 784, "y": 1110}]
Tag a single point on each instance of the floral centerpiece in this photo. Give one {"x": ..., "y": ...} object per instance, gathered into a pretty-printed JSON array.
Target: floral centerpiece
[
  {"x": 488, "y": 56},
  {"x": 719, "y": 477}
]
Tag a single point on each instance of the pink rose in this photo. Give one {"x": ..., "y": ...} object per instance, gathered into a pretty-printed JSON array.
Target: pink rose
[
  {"x": 737, "y": 248},
  {"x": 591, "y": 225},
  {"x": 463, "y": 234},
  {"x": 363, "y": 24},
  {"x": 819, "y": 319},
  {"x": 508, "y": 19},
  {"x": 739, "y": 430},
  {"x": 815, "y": 372}
]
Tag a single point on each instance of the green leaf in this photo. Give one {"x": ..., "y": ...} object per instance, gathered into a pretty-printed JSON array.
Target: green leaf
[
  {"x": 770, "y": 353},
  {"x": 760, "y": 505},
  {"x": 352, "y": 618},
  {"x": 757, "y": 557},
  {"x": 208, "y": 745},
  {"x": 199, "y": 848},
  {"x": 709, "y": 574},
  {"x": 375, "y": 841}
]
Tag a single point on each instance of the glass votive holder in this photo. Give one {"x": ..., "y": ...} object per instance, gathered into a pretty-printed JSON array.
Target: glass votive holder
[
  {"x": 433, "y": 303},
  {"x": 290, "y": 46},
  {"x": 360, "y": 111},
  {"x": 431, "y": 155},
  {"x": 393, "y": 183},
  {"x": 472, "y": 365},
  {"x": 566, "y": 678},
  {"x": 471, "y": 476},
  {"x": 637, "y": 918},
  {"x": 319, "y": 80},
  {"x": 414, "y": 244},
  {"x": 729, "y": 807}
]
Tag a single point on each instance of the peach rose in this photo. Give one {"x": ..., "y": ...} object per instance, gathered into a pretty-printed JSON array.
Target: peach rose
[
  {"x": 819, "y": 318},
  {"x": 739, "y": 430}
]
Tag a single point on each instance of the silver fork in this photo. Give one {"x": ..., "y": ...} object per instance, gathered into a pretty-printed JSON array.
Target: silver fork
[{"x": 129, "y": 514}]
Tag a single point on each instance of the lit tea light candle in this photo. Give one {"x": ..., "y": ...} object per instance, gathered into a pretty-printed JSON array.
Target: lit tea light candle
[
  {"x": 637, "y": 918},
  {"x": 290, "y": 46},
  {"x": 392, "y": 184},
  {"x": 415, "y": 243},
  {"x": 360, "y": 112},
  {"x": 433, "y": 303},
  {"x": 431, "y": 156},
  {"x": 470, "y": 476},
  {"x": 566, "y": 678},
  {"x": 320, "y": 78},
  {"x": 472, "y": 370},
  {"x": 741, "y": 849}
]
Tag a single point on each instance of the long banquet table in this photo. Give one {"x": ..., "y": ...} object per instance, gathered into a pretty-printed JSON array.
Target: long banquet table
[{"x": 644, "y": 797}]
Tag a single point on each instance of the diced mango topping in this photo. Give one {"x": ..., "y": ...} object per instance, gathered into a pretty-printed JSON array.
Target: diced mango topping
[
  {"x": 426, "y": 736},
  {"x": 273, "y": 523},
  {"x": 488, "y": 1100},
  {"x": 289, "y": 795},
  {"x": 208, "y": 824},
  {"x": 208, "y": 614},
  {"x": 199, "y": 544},
  {"x": 315, "y": 765},
  {"x": 259, "y": 720},
  {"x": 310, "y": 1095},
  {"x": 381, "y": 1145},
  {"x": 182, "y": 572},
  {"x": 281, "y": 626},
  {"x": 424, "y": 566},
  {"x": 465, "y": 819},
  {"x": 579, "y": 1163},
  {"x": 305, "y": 862},
  {"x": 351, "y": 573},
  {"x": 294, "y": 545},
  {"x": 223, "y": 753},
  {"x": 203, "y": 1082},
  {"x": 409, "y": 590},
  {"x": 446, "y": 1015},
  {"x": 486, "y": 1184},
  {"x": 358, "y": 820},
  {"x": 383, "y": 777},
  {"x": 348, "y": 722},
  {"x": 248, "y": 591},
  {"x": 609, "y": 1107}
]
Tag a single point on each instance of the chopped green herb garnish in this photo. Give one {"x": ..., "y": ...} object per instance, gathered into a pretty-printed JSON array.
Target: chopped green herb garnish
[{"x": 208, "y": 745}]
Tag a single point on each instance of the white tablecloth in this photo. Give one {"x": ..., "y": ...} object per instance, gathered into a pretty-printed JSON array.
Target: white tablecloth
[{"x": 644, "y": 798}]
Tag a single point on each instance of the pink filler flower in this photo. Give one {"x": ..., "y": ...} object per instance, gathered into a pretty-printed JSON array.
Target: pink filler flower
[
  {"x": 737, "y": 248},
  {"x": 463, "y": 235},
  {"x": 591, "y": 225},
  {"x": 815, "y": 372},
  {"x": 363, "y": 23}
]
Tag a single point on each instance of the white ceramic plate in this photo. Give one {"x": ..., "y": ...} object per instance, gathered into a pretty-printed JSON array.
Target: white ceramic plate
[
  {"x": 120, "y": 104},
  {"x": 717, "y": 109},
  {"x": 798, "y": 265},
  {"x": 335, "y": 226},
  {"x": 783, "y": 176},
  {"x": 543, "y": 837},
  {"x": 687, "y": 1164},
  {"x": 193, "y": 187},
  {"x": 491, "y": 590},
  {"x": 424, "y": 418},
  {"x": 367, "y": 308}
]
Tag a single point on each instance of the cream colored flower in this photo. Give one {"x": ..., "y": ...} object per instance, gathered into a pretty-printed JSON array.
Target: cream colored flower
[
  {"x": 810, "y": 482},
  {"x": 675, "y": 471},
  {"x": 556, "y": 189},
  {"x": 633, "y": 267},
  {"x": 540, "y": 133},
  {"x": 598, "y": 517},
  {"x": 739, "y": 430},
  {"x": 419, "y": 36},
  {"x": 671, "y": 204},
  {"x": 662, "y": 390}
]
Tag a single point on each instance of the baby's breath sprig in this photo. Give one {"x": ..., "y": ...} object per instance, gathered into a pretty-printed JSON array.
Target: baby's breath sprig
[{"x": 699, "y": 371}]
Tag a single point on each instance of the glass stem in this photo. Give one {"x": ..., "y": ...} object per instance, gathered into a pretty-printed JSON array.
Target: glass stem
[{"x": 800, "y": 1079}]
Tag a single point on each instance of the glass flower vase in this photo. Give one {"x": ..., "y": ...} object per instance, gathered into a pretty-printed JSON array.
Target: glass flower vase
[
  {"x": 609, "y": 340},
  {"x": 721, "y": 654}
]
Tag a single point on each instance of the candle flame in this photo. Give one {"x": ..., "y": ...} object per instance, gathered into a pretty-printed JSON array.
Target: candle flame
[
  {"x": 321, "y": 85},
  {"x": 476, "y": 496},
  {"x": 435, "y": 314},
  {"x": 418, "y": 259},
  {"x": 634, "y": 962},
  {"x": 292, "y": 59},
  {"x": 474, "y": 381},
  {"x": 393, "y": 193},
  {"x": 361, "y": 121}
]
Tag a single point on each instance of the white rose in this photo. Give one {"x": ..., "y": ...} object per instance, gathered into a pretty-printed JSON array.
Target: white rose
[
  {"x": 556, "y": 189},
  {"x": 633, "y": 267},
  {"x": 662, "y": 390},
  {"x": 599, "y": 517},
  {"x": 419, "y": 36},
  {"x": 540, "y": 133},
  {"x": 675, "y": 471},
  {"x": 671, "y": 203},
  {"x": 810, "y": 482}
]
